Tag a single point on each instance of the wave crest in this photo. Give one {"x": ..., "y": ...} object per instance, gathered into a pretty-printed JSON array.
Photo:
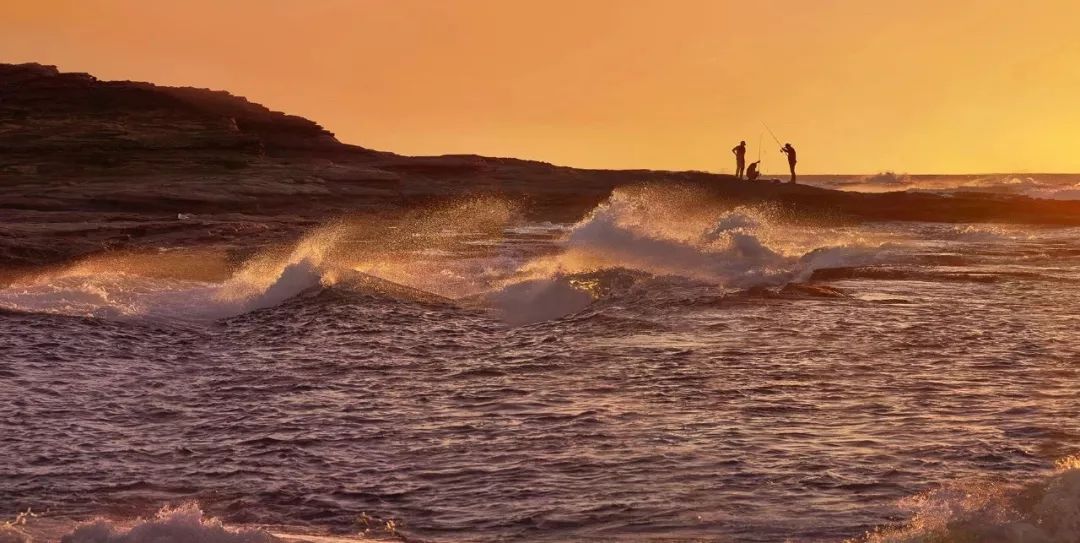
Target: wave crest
[
  {"x": 182, "y": 524},
  {"x": 640, "y": 229},
  {"x": 1044, "y": 511},
  {"x": 463, "y": 251}
]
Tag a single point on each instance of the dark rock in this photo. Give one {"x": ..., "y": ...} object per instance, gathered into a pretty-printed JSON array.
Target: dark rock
[{"x": 123, "y": 153}]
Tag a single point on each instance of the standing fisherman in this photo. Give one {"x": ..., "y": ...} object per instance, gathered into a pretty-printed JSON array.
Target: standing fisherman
[
  {"x": 740, "y": 158},
  {"x": 788, "y": 150}
]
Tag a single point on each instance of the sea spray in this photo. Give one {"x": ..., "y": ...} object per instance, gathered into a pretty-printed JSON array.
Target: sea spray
[
  {"x": 269, "y": 279},
  {"x": 637, "y": 229},
  {"x": 134, "y": 285},
  {"x": 1046, "y": 510},
  {"x": 464, "y": 250},
  {"x": 183, "y": 524},
  {"x": 86, "y": 290},
  {"x": 784, "y": 418}
]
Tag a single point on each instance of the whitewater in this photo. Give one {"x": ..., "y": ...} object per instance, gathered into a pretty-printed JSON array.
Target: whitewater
[{"x": 668, "y": 368}]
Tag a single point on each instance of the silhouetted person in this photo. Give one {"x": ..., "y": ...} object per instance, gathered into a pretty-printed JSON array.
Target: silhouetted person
[
  {"x": 751, "y": 171},
  {"x": 788, "y": 150},
  {"x": 740, "y": 158}
]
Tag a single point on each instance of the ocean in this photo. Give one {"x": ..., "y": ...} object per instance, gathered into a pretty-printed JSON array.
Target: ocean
[
  {"x": 668, "y": 368},
  {"x": 1054, "y": 186}
]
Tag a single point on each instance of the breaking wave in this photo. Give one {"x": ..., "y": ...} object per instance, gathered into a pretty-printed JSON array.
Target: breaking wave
[
  {"x": 461, "y": 252},
  {"x": 186, "y": 523},
  {"x": 182, "y": 524},
  {"x": 675, "y": 232},
  {"x": 671, "y": 233},
  {"x": 124, "y": 286},
  {"x": 1043, "y": 511},
  {"x": 85, "y": 290}
]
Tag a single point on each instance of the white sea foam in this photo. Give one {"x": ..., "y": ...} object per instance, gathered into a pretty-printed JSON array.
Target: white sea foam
[
  {"x": 655, "y": 230},
  {"x": 676, "y": 233},
  {"x": 735, "y": 247},
  {"x": 183, "y": 524},
  {"x": 88, "y": 290},
  {"x": 1044, "y": 510}
]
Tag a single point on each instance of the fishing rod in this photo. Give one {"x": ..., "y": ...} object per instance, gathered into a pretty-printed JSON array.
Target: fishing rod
[
  {"x": 772, "y": 134},
  {"x": 760, "y": 166}
]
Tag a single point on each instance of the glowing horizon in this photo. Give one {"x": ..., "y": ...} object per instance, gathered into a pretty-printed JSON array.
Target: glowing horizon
[{"x": 857, "y": 87}]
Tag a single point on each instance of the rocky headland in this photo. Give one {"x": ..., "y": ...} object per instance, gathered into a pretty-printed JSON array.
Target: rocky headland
[{"x": 90, "y": 166}]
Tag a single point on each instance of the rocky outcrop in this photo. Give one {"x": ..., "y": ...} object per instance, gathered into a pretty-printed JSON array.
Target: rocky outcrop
[
  {"x": 45, "y": 110},
  {"x": 89, "y": 165}
]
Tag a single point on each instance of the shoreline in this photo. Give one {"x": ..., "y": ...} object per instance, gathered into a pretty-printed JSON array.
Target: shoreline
[{"x": 90, "y": 167}]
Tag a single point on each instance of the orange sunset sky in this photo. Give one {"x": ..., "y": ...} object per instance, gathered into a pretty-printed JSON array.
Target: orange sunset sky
[{"x": 858, "y": 86}]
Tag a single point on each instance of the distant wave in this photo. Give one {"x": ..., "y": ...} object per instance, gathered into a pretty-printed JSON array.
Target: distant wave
[
  {"x": 1024, "y": 186},
  {"x": 1052, "y": 187},
  {"x": 884, "y": 181}
]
